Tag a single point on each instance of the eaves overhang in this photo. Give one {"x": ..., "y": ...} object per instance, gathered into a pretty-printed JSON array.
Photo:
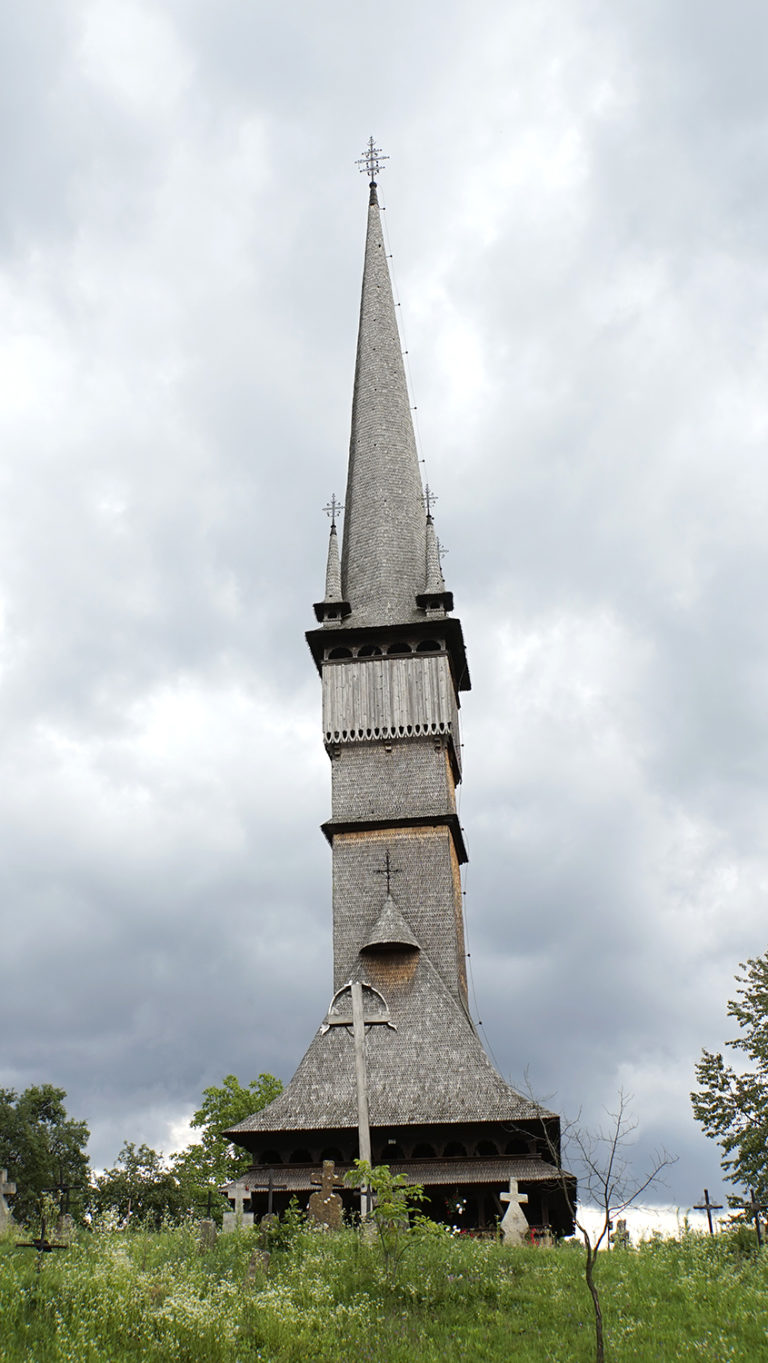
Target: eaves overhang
[{"x": 321, "y": 639}]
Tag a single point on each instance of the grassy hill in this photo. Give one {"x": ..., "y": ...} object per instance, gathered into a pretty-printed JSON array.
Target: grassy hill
[{"x": 324, "y": 1298}]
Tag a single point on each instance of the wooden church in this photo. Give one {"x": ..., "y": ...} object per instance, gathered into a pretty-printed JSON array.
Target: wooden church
[{"x": 396, "y": 1072}]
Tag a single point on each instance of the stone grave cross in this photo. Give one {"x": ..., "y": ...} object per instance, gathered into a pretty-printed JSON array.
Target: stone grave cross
[
  {"x": 234, "y": 1220},
  {"x": 6, "y": 1190},
  {"x": 514, "y": 1226},
  {"x": 756, "y": 1208},
  {"x": 325, "y": 1206}
]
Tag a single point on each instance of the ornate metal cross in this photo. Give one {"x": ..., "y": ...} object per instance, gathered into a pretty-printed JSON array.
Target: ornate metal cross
[
  {"x": 709, "y": 1208},
  {"x": 370, "y": 161},
  {"x": 333, "y": 509},
  {"x": 388, "y": 870},
  {"x": 428, "y": 497}
]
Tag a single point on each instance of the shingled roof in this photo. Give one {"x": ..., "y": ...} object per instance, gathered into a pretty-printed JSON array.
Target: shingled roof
[
  {"x": 431, "y": 1069},
  {"x": 383, "y": 560}
]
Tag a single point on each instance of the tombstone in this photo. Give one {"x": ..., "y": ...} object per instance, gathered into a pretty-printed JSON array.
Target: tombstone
[
  {"x": 207, "y": 1235},
  {"x": 258, "y": 1263},
  {"x": 6, "y": 1190},
  {"x": 236, "y": 1219},
  {"x": 65, "y": 1229},
  {"x": 514, "y": 1226},
  {"x": 325, "y": 1206},
  {"x": 620, "y": 1237}
]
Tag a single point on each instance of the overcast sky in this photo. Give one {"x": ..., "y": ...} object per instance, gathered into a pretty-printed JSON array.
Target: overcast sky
[{"x": 577, "y": 207}]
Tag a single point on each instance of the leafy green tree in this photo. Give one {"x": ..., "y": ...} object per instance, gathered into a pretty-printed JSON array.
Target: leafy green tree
[
  {"x": 733, "y": 1107},
  {"x": 213, "y": 1160},
  {"x": 42, "y": 1148},
  {"x": 140, "y": 1188}
]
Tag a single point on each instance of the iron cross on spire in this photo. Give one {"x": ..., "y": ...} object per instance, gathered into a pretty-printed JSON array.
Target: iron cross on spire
[
  {"x": 388, "y": 870},
  {"x": 428, "y": 497},
  {"x": 370, "y": 161},
  {"x": 333, "y": 509}
]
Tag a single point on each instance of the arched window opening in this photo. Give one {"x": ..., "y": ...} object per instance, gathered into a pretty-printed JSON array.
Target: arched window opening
[
  {"x": 487, "y": 1149},
  {"x": 340, "y": 653},
  {"x": 428, "y": 646}
]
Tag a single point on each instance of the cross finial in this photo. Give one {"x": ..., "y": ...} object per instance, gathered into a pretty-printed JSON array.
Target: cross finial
[
  {"x": 428, "y": 497},
  {"x": 370, "y": 161},
  {"x": 388, "y": 870},
  {"x": 333, "y": 509}
]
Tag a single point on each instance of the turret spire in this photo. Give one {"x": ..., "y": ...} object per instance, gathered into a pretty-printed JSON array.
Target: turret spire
[
  {"x": 383, "y": 554},
  {"x": 332, "y": 608}
]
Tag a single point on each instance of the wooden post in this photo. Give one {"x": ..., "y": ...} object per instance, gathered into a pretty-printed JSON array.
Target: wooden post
[{"x": 363, "y": 1124}]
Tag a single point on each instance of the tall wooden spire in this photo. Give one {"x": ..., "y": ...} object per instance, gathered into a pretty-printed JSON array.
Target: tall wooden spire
[
  {"x": 393, "y": 665},
  {"x": 382, "y": 561}
]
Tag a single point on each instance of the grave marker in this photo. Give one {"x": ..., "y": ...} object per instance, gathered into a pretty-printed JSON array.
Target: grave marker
[{"x": 514, "y": 1226}]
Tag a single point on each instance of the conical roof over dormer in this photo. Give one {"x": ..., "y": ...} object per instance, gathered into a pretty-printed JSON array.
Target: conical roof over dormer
[
  {"x": 390, "y": 931},
  {"x": 383, "y": 553}
]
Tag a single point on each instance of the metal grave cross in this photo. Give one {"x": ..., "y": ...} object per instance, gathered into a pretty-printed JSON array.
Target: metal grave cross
[
  {"x": 269, "y": 1187},
  {"x": 6, "y": 1190},
  {"x": 756, "y": 1208},
  {"x": 709, "y": 1208},
  {"x": 358, "y": 1018},
  {"x": 42, "y": 1244}
]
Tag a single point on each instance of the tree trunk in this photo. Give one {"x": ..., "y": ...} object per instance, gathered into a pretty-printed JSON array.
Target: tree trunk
[{"x": 599, "y": 1346}]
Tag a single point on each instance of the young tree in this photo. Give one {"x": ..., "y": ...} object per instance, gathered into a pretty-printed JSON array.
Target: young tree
[
  {"x": 212, "y": 1160},
  {"x": 394, "y": 1199},
  {"x": 606, "y": 1181},
  {"x": 140, "y": 1188},
  {"x": 42, "y": 1148},
  {"x": 733, "y": 1107}
]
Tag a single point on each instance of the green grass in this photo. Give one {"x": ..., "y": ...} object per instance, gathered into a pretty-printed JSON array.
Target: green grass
[{"x": 118, "y": 1296}]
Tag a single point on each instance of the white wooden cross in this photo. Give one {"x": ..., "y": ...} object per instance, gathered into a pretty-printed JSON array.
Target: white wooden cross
[
  {"x": 514, "y": 1225},
  {"x": 5, "y": 1188}
]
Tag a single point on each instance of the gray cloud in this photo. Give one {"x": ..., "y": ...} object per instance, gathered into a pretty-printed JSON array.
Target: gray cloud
[{"x": 576, "y": 210}]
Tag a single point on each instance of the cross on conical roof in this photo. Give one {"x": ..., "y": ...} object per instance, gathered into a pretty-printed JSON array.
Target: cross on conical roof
[{"x": 384, "y": 546}]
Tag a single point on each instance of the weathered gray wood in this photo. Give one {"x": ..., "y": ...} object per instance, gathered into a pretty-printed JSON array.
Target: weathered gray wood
[
  {"x": 364, "y": 1129},
  {"x": 383, "y": 698}
]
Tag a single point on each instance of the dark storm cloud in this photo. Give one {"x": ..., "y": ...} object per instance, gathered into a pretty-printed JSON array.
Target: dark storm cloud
[{"x": 577, "y": 210}]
